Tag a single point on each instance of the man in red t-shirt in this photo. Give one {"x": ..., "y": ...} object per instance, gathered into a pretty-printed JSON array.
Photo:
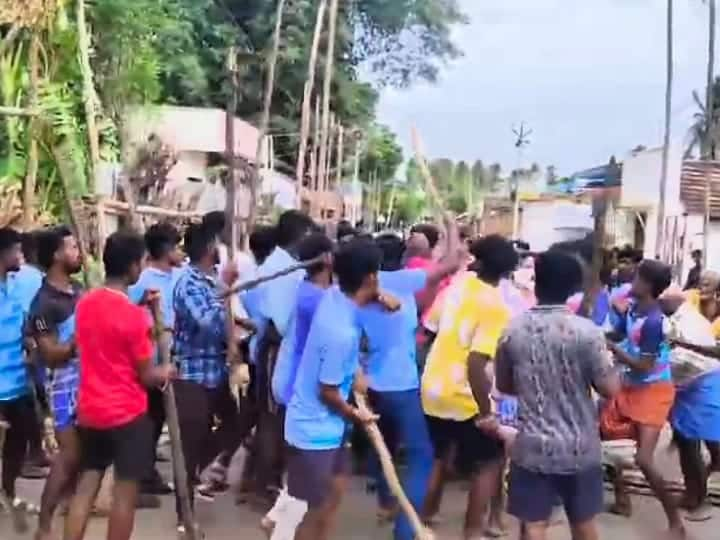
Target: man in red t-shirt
[{"x": 113, "y": 338}]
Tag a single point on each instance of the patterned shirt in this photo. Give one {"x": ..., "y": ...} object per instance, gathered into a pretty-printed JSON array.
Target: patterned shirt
[
  {"x": 200, "y": 333},
  {"x": 53, "y": 313},
  {"x": 644, "y": 335},
  {"x": 471, "y": 319},
  {"x": 553, "y": 358}
]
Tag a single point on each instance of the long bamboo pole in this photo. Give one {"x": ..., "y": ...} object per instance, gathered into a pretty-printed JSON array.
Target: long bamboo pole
[
  {"x": 328, "y": 155},
  {"x": 89, "y": 95},
  {"x": 230, "y": 157},
  {"x": 33, "y": 158},
  {"x": 307, "y": 95},
  {"x": 327, "y": 89},
  {"x": 314, "y": 164},
  {"x": 192, "y": 531},
  {"x": 666, "y": 139},
  {"x": 267, "y": 103},
  {"x": 426, "y": 174},
  {"x": 340, "y": 157},
  {"x": 709, "y": 123}
]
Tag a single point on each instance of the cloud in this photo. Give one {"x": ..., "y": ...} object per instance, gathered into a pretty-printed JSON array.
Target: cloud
[{"x": 588, "y": 77}]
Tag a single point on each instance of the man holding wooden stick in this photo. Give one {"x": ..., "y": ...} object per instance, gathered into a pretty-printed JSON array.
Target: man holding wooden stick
[
  {"x": 315, "y": 423},
  {"x": 114, "y": 338},
  {"x": 160, "y": 274}
]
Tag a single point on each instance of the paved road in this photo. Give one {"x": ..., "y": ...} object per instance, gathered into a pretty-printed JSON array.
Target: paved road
[{"x": 223, "y": 520}]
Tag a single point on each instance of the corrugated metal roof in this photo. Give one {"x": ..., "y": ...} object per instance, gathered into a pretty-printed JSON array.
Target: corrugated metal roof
[{"x": 692, "y": 187}]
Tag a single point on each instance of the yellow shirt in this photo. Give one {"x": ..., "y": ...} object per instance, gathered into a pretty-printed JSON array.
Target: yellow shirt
[
  {"x": 471, "y": 319},
  {"x": 693, "y": 298}
]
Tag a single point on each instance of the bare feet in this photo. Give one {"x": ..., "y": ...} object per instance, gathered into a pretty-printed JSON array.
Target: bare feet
[
  {"x": 620, "y": 509},
  {"x": 699, "y": 514},
  {"x": 387, "y": 514}
]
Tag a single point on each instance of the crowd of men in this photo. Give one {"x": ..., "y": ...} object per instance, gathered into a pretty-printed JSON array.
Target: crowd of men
[{"x": 477, "y": 357}]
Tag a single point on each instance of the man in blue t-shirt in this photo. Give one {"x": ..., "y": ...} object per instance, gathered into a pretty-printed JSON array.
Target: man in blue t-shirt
[
  {"x": 316, "y": 423},
  {"x": 17, "y": 410},
  {"x": 391, "y": 370},
  {"x": 310, "y": 291},
  {"x": 161, "y": 273}
]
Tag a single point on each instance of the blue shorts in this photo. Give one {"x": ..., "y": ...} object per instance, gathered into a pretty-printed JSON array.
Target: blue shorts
[
  {"x": 63, "y": 404},
  {"x": 532, "y": 495}
]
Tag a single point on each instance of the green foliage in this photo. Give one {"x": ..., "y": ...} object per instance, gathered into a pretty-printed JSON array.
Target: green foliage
[
  {"x": 174, "y": 51},
  {"x": 383, "y": 155},
  {"x": 403, "y": 41}
]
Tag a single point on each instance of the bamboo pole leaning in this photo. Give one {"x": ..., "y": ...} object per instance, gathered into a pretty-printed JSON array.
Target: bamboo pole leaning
[
  {"x": 327, "y": 89},
  {"x": 307, "y": 95},
  {"x": 426, "y": 174},
  {"x": 339, "y": 154},
  {"x": 267, "y": 104},
  {"x": 315, "y": 156}
]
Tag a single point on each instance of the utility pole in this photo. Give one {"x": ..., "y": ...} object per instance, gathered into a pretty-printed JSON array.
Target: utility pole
[
  {"x": 709, "y": 126},
  {"x": 660, "y": 227},
  {"x": 522, "y": 141}
]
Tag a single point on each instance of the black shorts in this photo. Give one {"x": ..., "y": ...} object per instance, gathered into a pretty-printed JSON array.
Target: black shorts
[
  {"x": 474, "y": 448},
  {"x": 128, "y": 448},
  {"x": 532, "y": 495}
]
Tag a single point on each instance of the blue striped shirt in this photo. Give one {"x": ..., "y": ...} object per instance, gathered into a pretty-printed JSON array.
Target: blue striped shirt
[{"x": 200, "y": 333}]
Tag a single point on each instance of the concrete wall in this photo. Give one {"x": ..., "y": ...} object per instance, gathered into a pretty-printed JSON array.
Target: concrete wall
[{"x": 544, "y": 223}]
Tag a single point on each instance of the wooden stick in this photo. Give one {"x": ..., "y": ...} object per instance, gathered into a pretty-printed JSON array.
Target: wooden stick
[
  {"x": 173, "y": 423},
  {"x": 376, "y": 438},
  {"x": 251, "y": 284},
  {"x": 426, "y": 174}
]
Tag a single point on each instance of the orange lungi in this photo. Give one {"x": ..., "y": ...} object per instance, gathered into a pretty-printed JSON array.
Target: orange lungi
[{"x": 645, "y": 404}]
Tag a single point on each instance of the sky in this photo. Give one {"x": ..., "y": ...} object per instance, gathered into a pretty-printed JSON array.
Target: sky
[{"x": 587, "y": 76}]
